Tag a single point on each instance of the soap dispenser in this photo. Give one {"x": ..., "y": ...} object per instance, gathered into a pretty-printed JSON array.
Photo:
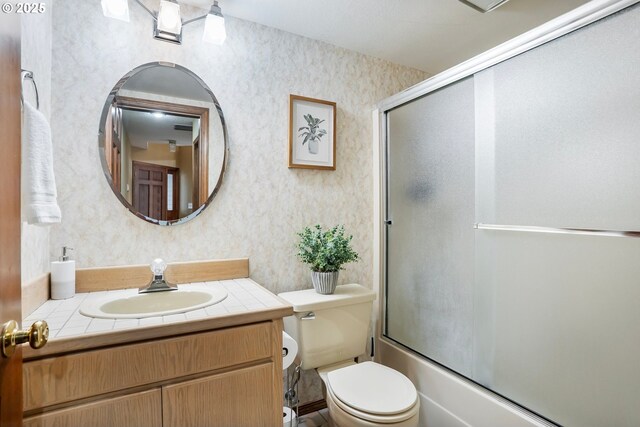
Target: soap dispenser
[{"x": 63, "y": 276}]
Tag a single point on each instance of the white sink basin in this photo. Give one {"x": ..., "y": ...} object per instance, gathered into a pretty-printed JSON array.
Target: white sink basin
[{"x": 152, "y": 304}]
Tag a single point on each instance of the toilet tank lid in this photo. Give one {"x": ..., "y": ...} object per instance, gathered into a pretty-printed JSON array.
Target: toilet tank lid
[{"x": 309, "y": 299}]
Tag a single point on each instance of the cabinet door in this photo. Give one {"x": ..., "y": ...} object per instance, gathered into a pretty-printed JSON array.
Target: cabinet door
[
  {"x": 133, "y": 410},
  {"x": 240, "y": 398}
]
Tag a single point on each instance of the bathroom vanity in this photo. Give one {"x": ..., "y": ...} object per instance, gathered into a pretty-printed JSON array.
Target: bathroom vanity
[{"x": 219, "y": 366}]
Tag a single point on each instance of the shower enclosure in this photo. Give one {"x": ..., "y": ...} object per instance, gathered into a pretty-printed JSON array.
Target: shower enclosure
[{"x": 511, "y": 203}]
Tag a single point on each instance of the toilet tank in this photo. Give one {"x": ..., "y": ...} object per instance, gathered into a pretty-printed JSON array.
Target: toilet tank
[{"x": 329, "y": 328}]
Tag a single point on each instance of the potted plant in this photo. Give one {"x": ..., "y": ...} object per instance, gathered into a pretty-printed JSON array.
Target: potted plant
[
  {"x": 326, "y": 252},
  {"x": 311, "y": 133}
]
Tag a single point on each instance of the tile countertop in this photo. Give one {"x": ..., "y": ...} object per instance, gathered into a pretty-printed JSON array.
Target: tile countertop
[{"x": 246, "y": 302}]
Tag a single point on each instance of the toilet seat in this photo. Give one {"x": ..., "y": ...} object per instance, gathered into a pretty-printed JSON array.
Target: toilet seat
[
  {"x": 372, "y": 392},
  {"x": 342, "y": 418}
]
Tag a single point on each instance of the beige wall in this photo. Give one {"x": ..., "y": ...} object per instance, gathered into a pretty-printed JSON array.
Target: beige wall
[
  {"x": 157, "y": 154},
  {"x": 36, "y": 57},
  {"x": 261, "y": 203}
]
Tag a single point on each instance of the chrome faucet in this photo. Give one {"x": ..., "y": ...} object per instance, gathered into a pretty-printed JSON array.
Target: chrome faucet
[{"x": 158, "y": 283}]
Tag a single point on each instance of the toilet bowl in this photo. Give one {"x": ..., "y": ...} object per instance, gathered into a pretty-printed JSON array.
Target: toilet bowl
[
  {"x": 332, "y": 330},
  {"x": 369, "y": 394}
]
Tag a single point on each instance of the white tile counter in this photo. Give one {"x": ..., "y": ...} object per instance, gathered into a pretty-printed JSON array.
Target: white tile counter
[{"x": 65, "y": 321}]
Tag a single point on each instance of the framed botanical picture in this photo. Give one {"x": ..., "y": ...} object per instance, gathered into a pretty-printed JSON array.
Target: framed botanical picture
[{"x": 312, "y": 133}]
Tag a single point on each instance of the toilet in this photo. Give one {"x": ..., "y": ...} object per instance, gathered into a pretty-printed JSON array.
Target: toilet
[{"x": 331, "y": 331}]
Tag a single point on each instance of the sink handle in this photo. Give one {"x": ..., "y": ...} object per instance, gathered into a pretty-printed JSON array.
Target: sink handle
[{"x": 158, "y": 283}]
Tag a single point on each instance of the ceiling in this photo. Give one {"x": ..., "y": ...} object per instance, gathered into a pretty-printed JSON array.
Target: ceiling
[
  {"x": 430, "y": 35},
  {"x": 167, "y": 81},
  {"x": 144, "y": 128}
]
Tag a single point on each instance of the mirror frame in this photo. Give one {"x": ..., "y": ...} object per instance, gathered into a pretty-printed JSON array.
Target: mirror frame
[{"x": 102, "y": 142}]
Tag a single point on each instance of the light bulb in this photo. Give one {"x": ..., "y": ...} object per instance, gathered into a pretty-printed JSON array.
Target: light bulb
[
  {"x": 117, "y": 9},
  {"x": 169, "y": 17}
]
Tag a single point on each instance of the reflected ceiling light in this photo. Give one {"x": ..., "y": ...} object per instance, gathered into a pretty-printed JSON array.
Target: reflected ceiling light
[
  {"x": 157, "y": 114},
  {"x": 168, "y": 23},
  {"x": 484, "y": 5},
  {"x": 214, "y": 30},
  {"x": 116, "y": 9}
]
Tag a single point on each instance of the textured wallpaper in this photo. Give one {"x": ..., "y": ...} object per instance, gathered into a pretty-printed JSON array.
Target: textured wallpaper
[
  {"x": 36, "y": 57},
  {"x": 262, "y": 203}
]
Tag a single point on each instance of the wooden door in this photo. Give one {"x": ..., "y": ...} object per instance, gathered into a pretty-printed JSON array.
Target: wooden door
[
  {"x": 149, "y": 188},
  {"x": 10, "y": 303},
  {"x": 151, "y": 196}
]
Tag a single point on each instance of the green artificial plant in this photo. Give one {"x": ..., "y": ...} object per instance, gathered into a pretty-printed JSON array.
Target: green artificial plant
[{"x": 325, "y": 251}]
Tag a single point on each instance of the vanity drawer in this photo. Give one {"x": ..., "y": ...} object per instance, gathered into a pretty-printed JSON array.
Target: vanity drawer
[
  {"x": 75, "y": 376},
  {"x": 132, "y": 410}
]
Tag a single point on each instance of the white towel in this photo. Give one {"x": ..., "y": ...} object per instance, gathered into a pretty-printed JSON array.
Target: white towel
[{"x": 39, "y": 188}]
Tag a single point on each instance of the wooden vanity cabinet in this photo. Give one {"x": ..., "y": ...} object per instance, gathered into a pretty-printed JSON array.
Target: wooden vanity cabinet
[
  {"x": 136, "y": 409},
  {"x": 208, "y": 402},
  {"x": 219, "y": 378}
]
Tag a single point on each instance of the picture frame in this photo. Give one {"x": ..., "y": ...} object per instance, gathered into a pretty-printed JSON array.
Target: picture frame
[{"x": 312, "y": 133}]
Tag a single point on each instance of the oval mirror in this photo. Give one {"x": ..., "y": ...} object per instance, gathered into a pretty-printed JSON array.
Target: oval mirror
[{"x": 163, "y": 143}]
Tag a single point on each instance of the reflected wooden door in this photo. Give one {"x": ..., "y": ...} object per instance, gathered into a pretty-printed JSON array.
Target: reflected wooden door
[
  {"x": 156, "y": 191},
  {"x": 149, "y": 188},
  {"x": 10, "y": 302}
]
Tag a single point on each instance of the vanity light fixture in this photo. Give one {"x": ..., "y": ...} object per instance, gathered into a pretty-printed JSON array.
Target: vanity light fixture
[
  {"x": 116, "y": 9},
  {"x": 484, "y": 5},
  {"x": 173, "y": 146},
  {"x": 214, "y": 30},
  {"x": 168, "y": 23}
]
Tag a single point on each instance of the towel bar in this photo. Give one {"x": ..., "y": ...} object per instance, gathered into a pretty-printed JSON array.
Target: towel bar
[{"x": 26, "y": 74}]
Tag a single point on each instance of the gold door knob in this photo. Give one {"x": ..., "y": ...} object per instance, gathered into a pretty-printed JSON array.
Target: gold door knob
[{"x": 37, "y": 336}]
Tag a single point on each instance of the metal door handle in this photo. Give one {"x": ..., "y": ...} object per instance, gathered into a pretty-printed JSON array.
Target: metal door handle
[
  {"x": 309, "y": 316},
  {"x": 37, "y": 336}
]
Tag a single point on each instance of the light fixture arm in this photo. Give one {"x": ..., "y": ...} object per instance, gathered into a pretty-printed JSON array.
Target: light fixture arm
[
  {"x": 149, "y": 11},
  {"x": 215, "y": 10},
  {"x": 194, "y": 20}
]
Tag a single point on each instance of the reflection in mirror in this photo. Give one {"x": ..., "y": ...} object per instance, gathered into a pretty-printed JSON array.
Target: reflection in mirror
[{"x": 163, "y": 143}]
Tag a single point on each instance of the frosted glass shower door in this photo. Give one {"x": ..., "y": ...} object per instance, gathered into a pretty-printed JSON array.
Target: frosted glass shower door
[
  {"x": 556, "y": 315},
  {"x": 430, "y": 243},
  {"x": 527, "y": 152}
]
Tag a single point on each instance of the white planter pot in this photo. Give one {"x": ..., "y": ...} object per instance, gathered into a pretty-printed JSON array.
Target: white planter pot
[{"x": 325, "y": 283}]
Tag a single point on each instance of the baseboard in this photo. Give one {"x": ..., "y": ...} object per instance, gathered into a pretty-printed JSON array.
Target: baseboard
[{"x": 311, "y": 407}]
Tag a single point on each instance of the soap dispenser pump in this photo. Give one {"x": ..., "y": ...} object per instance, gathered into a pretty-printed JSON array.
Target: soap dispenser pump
[{"x": 63, "y": 276}]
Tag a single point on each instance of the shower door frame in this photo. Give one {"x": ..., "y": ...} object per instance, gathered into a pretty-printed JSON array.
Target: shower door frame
[{"x": 388, "y": 350}]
